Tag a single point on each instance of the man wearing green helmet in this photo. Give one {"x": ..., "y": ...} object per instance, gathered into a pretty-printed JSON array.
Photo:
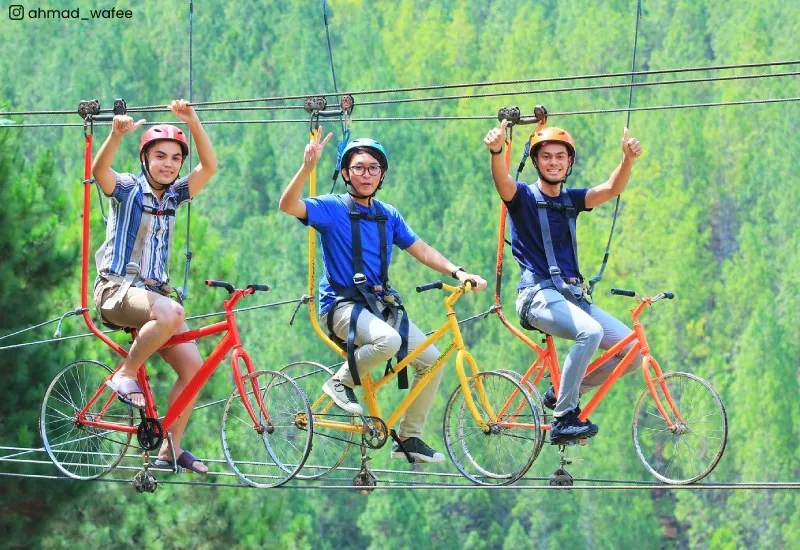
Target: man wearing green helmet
[{"x": 356, "y": 302}]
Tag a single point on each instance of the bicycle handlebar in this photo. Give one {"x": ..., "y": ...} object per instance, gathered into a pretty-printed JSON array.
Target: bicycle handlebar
[
  {"x": 429, "y": 286},
  {"x": 221, "y": 284},
  {"x": 632, "y": 294},
  {"x": 623, "y": 292},
  {"x": 256, "y": 287},
  {"x": 252, "y": 288}
]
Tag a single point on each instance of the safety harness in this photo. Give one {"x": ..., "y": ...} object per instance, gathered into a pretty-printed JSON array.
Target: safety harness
[
  {"x": 555, "y": 280},
  {"x": 131, "y": 276},
  {"x": 381, "y": 300}
]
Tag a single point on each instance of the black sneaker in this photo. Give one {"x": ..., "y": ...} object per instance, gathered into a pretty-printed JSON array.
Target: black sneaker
[
  {"x": 549, "y": 398},
  {"x": 568, "y": 428},
  {"x": 343, "y": 396},
  {"x": 418, "y": 449},
  {"x": 593, "y": 428}
]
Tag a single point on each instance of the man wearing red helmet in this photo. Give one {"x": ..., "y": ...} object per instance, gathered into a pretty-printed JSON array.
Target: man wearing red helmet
[
  {"x": 551, "y": 294},
  {"x": 132, "y": 287},
  {"x": 356, "y": 301}
]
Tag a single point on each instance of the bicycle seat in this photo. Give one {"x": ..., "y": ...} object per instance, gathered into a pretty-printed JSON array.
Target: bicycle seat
[{"x": 527, "y": 326}]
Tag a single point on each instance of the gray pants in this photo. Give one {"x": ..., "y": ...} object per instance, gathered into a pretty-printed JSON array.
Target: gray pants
[
  {"x": 591, "y": 328},
  {"x": 377, "y": 342}
]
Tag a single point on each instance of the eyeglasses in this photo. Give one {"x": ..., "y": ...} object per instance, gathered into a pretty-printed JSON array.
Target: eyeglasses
[{"x": 360, "y": 169}]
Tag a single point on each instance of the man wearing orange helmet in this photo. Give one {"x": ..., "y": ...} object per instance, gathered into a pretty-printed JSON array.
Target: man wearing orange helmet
[
  {"x": 551, "y": 294},
  {"x": 132, "y": 287}
]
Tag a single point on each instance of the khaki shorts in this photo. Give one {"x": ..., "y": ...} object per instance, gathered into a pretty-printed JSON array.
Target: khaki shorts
[{"x": 132, "y": 311}]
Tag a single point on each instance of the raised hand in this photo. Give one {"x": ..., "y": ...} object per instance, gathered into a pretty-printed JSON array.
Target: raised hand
[
  {"x": 182, "y": 110},
  {"x": 631, "y": 147},
  {"x": 496, "y": 137},
  {"x": 314, "y": 150},
  {"x": 123, "y": 125}
]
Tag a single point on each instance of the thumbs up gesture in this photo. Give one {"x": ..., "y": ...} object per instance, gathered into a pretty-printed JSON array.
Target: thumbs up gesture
[
  {"x": 496, "y": 137},
  {"x": 631, "y": 148}
]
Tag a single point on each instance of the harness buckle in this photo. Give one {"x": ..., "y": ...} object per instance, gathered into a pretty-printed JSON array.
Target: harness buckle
[
  {"x": 359, "y": 279},
  {"x": 554, "y": 271}
]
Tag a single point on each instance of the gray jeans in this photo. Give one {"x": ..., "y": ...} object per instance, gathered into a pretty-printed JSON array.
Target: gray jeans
[
  {"x": 377, "y": 342},
  {"x": 590, "y": 327}
]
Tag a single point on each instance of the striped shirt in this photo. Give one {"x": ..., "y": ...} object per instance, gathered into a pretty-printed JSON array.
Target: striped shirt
[{"x": 131, "y": 195}]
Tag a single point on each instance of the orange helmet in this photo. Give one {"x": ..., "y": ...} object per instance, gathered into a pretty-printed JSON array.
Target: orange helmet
[{"x": 553, "y": 134}]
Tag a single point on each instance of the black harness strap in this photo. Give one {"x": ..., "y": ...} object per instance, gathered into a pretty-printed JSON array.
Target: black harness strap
[
  {"x": 366, "y": 296},
  {"x": 541, "y": 207}
]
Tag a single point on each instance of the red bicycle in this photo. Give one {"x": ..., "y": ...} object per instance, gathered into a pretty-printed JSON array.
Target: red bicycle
[{"x": 86, "y": 430}]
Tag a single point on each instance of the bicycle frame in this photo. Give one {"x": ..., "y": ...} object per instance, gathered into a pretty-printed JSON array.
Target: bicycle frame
[
  {"x": 371, "y": 387},
  {"x": 547, "y": 361},
  {"x": 230, "y": 341}
]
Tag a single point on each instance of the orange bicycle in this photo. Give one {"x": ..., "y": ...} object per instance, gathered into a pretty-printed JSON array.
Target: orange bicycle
[{"x": 680, "y": 427}]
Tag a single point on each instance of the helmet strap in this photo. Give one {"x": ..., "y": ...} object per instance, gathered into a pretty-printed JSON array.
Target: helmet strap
[{"x": 352, "y": 190}]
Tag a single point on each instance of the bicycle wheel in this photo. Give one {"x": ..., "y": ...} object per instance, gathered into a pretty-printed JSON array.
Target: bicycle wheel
[
  {"x": 330, "y": 445},
  {"x": 689, "y": 450},
  {"x": 502, "y": 453},
  {"x": 77, "y": 450},
  {"x": 536, "y": 399},
  {"x": 270, "y": 451}
]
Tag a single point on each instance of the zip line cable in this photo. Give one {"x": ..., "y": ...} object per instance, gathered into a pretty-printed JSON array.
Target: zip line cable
[
  {"x": 448, "y": 118},
  {"x": 155, "y": 108}
]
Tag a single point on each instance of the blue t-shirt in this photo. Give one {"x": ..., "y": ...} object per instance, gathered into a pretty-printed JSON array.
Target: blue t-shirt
[
  {"x": 329, "y": 215},
  {"x": 527, "y": 245}
]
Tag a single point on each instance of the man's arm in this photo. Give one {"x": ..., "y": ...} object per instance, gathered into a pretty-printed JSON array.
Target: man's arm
[
  {"x": 291, "y": 199},
  {"x": 503, "y": 182},
  {"x": 208, "y": 161},
  {"x": 429, "y": 256},
  {"x": 106, "y": 177},
  {"x": 597, "y": 195}
]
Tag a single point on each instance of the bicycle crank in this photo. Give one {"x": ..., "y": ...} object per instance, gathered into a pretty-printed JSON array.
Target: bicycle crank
[
  {"x": 150, "y": 434},
  {"x": 374, "y": 433}
]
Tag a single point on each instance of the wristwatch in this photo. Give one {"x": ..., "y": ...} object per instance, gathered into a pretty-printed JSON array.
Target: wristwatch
[
  {"x": 495, "y": 153},
  {"x": 453, "y": 273}
]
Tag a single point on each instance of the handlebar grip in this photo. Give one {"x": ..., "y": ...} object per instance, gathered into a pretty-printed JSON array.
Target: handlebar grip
[
  {"x": 256, "y": 287},
  {"x": 221, "y": 284},
  {"x": 622, "y": 292},
  {"x": 103, "y": 118},
  {"x": 669, "y": 295},
  {"x": 429, "y": 286}
]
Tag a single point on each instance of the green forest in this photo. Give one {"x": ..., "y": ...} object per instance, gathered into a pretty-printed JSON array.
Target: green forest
[{"x": 710, "y": 214}]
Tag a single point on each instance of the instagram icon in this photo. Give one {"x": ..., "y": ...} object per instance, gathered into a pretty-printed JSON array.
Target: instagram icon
[{"x": 16, "y": 13}]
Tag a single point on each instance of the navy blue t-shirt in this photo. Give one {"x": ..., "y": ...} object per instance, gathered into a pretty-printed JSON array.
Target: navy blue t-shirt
[
  {"x": 329, "y": 215},
  {"x": 526, "y": 233}
]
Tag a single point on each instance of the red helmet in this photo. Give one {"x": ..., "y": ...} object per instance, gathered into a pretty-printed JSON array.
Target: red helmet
[{"x": 165, "y": 131}]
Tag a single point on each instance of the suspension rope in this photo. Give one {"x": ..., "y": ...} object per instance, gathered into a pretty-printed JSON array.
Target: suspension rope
[
  {"x": 184, "y": 290},
  {"x": 330, "y": 59},
  {"x": 599, "y": 277}
]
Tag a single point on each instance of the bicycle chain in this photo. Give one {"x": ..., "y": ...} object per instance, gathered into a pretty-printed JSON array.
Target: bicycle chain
[{"x": 376, "y": 441}]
